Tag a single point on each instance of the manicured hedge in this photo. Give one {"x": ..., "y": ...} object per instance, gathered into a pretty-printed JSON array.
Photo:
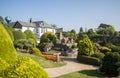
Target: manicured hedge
[
  {"x": 7, "y": 50},
  {"x": 88, "y": 60}
]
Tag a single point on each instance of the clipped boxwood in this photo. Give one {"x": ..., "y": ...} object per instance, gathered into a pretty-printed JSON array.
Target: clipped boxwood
[
  {"x": 25, "y": 68},
  {"x": 7, "y": 50},
  {"x": 88, "y": 60},
  {"x": 36, "y": 52}
]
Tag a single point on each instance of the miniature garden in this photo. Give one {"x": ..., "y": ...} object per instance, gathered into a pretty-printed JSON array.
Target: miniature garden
[{"x": 22, "y": 57}]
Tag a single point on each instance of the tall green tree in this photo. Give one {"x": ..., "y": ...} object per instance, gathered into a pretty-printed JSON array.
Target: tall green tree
[{"x": 105, "y": 29}]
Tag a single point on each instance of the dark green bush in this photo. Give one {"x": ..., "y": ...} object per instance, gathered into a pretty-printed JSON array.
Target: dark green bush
[
  {"x": 89, "y": 60},
  {"x": 110, "y": 64},
  {"x": 24, "y": 68},
  {"x": 113, "y": 47},
  {"x": 36, "y": 52},
  {"x": 99, "y": 55}
]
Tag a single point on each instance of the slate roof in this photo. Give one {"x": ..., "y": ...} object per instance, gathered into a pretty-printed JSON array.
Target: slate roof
[{"x": 41, "y": 24}]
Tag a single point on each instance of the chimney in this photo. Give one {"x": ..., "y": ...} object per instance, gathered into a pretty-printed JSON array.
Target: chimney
[{"x": 30, "y": 20}]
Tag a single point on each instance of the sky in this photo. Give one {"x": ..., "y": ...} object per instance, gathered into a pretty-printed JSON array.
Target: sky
[{"x": 68, "y": 14}]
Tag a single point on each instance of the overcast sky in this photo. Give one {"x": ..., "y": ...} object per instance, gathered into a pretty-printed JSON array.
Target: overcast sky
[{"x": 69, "y": 14}]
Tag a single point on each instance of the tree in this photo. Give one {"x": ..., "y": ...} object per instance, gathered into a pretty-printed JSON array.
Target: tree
[
  {"x": 81, "y": 30},
  {"x": 85, "y": 47},
  {"x": 105, "y": 29},
  {"x": 29, "y": 34},
  {"x": 71, "y": 34},
  {"x": 48, "y": 37}
]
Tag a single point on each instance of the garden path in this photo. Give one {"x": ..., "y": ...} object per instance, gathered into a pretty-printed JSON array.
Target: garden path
[{"x": 71, "y": 66}]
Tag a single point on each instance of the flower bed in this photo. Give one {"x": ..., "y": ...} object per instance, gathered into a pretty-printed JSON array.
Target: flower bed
[{"x": 50, "y": 57}]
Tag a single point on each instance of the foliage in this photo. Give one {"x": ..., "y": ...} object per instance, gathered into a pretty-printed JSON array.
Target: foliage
[
  {"x": 99, "y": 55},
  {"x": 7, "y": 50},
  {"x": 71, "y": 34},
  {"x": 48, "y": 37},
  {"x": 96, "y": 47},
  {"x": 104, "y": 49},
  {"x": 42, "y": 61},
  {"x": 41, "y": 46},
  {"x": 88, "y": 60},
  {"x": 113, "y": 47},
  {"x": 23, "y": 44},
  {"x": 85, "y": 47},
  {"x": 3, "y": 65},
  {"x": 25, "y": 68},
  {"x": 9, "y": 30},
  {"x": 19, "y": 35},
  {"x": 82, "y": 36},
  {"x": 29, "y": 34},
  {"x": 109, "y": 64},
  {"x": 105, "y": 29},
  {"x": 36, "y": 52}
]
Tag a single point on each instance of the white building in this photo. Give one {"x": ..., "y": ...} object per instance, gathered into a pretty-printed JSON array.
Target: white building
[{"x": 38, "y": 27}]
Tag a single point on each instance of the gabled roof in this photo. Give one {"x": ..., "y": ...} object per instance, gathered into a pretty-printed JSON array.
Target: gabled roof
[
  {"x": 27, "y": 24},
  {"x": 43, "y": 24}
]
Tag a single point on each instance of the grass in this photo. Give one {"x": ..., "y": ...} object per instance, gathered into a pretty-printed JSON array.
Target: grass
[
  {"x": 43, "y": 62},
  {"x": 82, "y": 74},
  {"x": 50, "y": 52}
]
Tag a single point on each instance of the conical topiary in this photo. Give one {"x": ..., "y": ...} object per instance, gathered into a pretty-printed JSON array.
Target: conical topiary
[{"x": 7, "y": 50}]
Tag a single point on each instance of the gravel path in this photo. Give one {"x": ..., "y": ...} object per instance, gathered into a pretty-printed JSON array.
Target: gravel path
[{"x": 72, "y": 66}]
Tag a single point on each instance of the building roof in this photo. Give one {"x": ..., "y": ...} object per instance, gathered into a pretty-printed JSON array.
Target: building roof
[{"x": 41, "y": 24}]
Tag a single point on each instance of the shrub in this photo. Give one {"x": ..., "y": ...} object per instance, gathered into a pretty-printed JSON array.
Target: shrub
[
  {"x": 3, "y": 65},
  {"x": 29, "y": 34},
  {"x": 113, "y": 47},
  {"x": 25, "y": 68},
  {"x": 9, "y": 30},
  {"x": 36, "y": 52},
  {"x": 99, "y": 55},
  {"x": 19, "y": 35},
  {"x": 85, "y": 47},
  {"x": 7, "y": 50},
  {"x": 104, "y": 49},
  {"x": 89, "y": 60},
  {"x": 110, "y": 64},
  {"x": 48, "y": 37}
]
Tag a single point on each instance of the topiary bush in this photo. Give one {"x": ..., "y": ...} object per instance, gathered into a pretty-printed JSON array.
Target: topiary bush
[
  {"x": 36, "y": 52},
  {"x": 104, "y": 49},
  {"x": 30, "y": 35},
  {"x": 99, "y": 55},
  {"x": 89, "y": 60},
  {"x": 85, "y": 47},
  {"x": 25, "y": 68},
  {"x": 7, "y": 50},
  {"x": 19, "y": 35},
  {"x": 48, "y": 37},
  {"x": 3, "y": 65},
  {"x": 111, "y": 64}
]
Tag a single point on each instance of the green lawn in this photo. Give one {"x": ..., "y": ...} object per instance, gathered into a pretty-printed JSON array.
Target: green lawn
[
  {"x": 43, "y": 62},
  {"x": 82, "y": 74},
  {"x": 50, "y": 52}
]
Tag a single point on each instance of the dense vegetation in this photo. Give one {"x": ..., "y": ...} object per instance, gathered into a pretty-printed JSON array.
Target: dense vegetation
[{"x": 12, "y": 66}]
